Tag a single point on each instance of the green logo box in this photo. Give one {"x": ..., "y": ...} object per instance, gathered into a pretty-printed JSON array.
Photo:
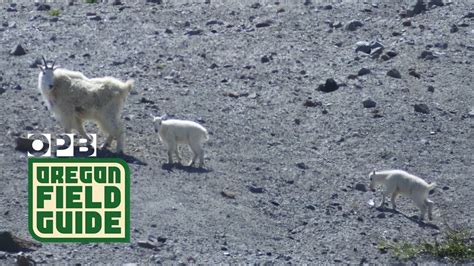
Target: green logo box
[{"x": 79, "y": 199}]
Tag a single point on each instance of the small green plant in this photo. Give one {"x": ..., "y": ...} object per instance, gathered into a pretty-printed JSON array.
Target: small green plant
[
  {"x": 55, "y": 12},
  {"x": 458, "y": 244},
  {"x": 91, "y": 1}
]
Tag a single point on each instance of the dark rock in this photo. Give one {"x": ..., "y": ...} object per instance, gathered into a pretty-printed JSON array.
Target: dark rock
[
  {"x": 297, "y": 121},
  {"x": 433, "y": 3},
  {"x": 55, "y": 19},
  {"x": 307, "y": 2},
  {"x": 361, "y": 187},
  {"x": 352, "y": 76},
  {"x": 311, "y": 103},
  {"x": 381, "y": 215},
  {"x": 11, "y": 9},
  {"x": 94, "y": 18},
  {"x": 213, "y": 66},
  {"x": 427, "y": 55},
  {"x": 234, "y": 94},
  {"x": 422, "y": 108},
  {"x": 257, "y": 190},
  {"x": 469, "y": 15},
  {"x": 265, "y": 59},
  {"x": 266, "y": 23},
  {"x": 385, "y": 57},
  {"x": 391, "y": 54},
  {"x": 441, "y": 45},
  {"x": 117, "y": 3},
  {"x": 445, "y": 188},
  {"x": 363, "y": 71},
  {"x": 396, "y": 33},
  {"x": 146, "y": 244},
  {"x": 327, "y": 7},
  {"x": 412, "y": 72},
  {"x": 394, "y": 73},
  {"x": 23, "y": 144},
  {"x": 330, "y": 86},
  {"x": 406, "y": 23},
  {"x": 368, "y": 47},
  {"x": 18, "y": 50},
  {"x": 161, "y": 239},
  {"x": 310, "y": 207},
  {"x": 12, "y": 243},
  {"x": 214, "y": 22},
  {"x": 369, "y": 103},
  {"x": 376, "y": 52},
  {"x": 17, "y": 87},
  {"x": 354, "y": 25},
  {"x": 2, "y": 90},
  {"x": 194, "y": 32},
  {"x": 228, "y": 194},
  {"x": 431, "y": 89},
  {"x": 454, "y": 28},
  {"x": 168, "y": 31},
  {"x": 43, "y": 7},
  {"x": 155, "y": 1},
  {"x": 256, "y": 5},
  {"x": 302, "y": 166},
  {"x": 336, "y": 24}
]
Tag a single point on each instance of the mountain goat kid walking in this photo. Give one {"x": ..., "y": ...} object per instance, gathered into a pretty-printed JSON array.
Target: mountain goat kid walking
[
  {"x": 174, "y": 132},
  {"x": 74, "y": 98},
  {"x": 400, "y": 182}
]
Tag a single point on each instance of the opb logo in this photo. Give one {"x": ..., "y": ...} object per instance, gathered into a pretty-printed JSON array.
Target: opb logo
[{"x": 42, "y": 146}]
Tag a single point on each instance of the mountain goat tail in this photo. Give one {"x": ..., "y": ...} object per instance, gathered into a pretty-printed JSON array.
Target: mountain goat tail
[
  {"x": 205, "y": 135},
  {"x": 431, "y": 186},
  {"x": 129, "y": 85}
]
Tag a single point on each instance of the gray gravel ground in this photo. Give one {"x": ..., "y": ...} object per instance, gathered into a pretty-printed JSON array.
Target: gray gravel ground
[{"x": 250, "y": 74}]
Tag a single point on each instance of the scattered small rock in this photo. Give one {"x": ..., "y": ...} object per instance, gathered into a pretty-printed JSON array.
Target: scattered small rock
[
  {"x": 406, "y": 23},
  {"x": 214, "y": 22},
  {"x": 394, "y": 73},
  {"x": 18, "y": 50},
  {"x": 330, "y": 86},
  {"x": 354, "y": 25},
  {"x": 381, "y": 215},
  {"x": 266, "y": 23},
  {"x": 454, "y": 28},
  {"x": 310, "y": 207},
  {"x": 363, "y": 71},
  {"x": 412, "y": 72},
  {"x": 194, "y": 32},
  {"x": 368, "y": 47},
  {"x": 155, "y": 1},
  {"x": 168, "y": 31},
  {"x": 228, "y": 194},
  {"x": 369, "y": 103},
  {"x": 117, "y": 3},
  {"x": 302, "y": 166},
  {"x": 257, "y": 190},
  {"x": 433, "y": 3},
  {"x": 361, "y": 187},
  {"x": 422, "y": 108},
  {"x": 265, "y": 59},
  {"x": 311, "y": 103},
  {"x": 234, "y": 94},
  {"x": 445, "y": 188},
  {"x": 427, "y": 55},
  {"x": 256, "y": 5},
  {"x": 94, "y": 18},
  {"x": 431, "y": 88},
  {"x": 43, "y": 7},
  {"x": 470, "y": 14},
  {"x": 146, "y": 244}
]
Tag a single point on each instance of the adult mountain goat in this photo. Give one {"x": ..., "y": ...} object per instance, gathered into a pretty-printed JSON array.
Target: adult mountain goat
[
  {"x": 74, "y": 98},
  {"x": 400, "y": 182}
]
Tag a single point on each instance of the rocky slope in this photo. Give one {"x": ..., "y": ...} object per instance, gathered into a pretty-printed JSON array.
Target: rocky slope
[{"x": 294, "y": 148}]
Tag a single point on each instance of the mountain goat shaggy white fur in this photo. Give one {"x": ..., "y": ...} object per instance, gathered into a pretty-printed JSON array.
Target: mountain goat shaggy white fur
[
  {"x": 74, "y": 98},
  {"x": 174, "y": 132},
  {"x": 400, "y": 182}
]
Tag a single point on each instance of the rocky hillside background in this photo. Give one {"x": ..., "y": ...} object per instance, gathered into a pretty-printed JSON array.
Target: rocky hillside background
[{"x": 302, "y": 100}]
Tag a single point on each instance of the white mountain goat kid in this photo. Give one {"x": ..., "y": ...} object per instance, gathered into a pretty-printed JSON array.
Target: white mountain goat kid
[
  {"x": 173, "y": 132},
  {"x": 400, "y": 182},
  {"x": 73, "y": 98}
]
